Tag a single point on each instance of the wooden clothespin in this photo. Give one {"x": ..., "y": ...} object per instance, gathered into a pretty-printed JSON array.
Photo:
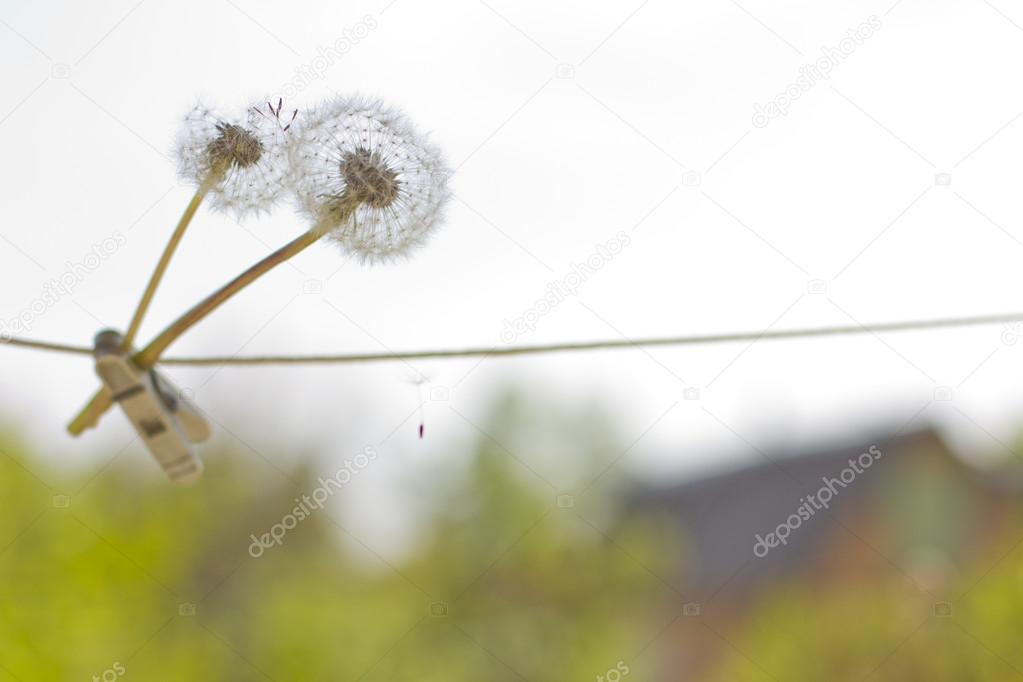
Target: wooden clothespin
[{"x": 165, "y": 421}]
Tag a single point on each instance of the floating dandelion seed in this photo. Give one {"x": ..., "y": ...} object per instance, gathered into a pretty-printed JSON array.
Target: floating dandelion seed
[
  {"x": 243, "y": 158},
  {"x": 367, "y": 178},
  {"x": 419, "y": 382}
]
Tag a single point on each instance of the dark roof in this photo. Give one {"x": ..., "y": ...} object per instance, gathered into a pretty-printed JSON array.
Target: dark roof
[{"x": 722, "y": 513}]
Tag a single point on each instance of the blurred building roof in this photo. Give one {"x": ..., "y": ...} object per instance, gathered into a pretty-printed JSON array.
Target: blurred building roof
[{"x": 722, "y": 514}]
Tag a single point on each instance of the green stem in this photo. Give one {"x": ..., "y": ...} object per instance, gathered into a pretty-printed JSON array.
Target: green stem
[
  {"x": 149, "y": 355},
  {"x": 211, "y": 181},
  {"x": 91, "y": 413}
]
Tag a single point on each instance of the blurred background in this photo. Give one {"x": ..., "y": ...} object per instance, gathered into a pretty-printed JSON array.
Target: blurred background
[{"x": 652, "y": 514}]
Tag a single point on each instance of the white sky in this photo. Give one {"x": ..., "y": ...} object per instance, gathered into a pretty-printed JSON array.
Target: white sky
[{"x": 548, "y": 167}]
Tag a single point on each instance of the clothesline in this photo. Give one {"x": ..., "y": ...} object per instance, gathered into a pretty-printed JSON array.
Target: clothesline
[{"x": 606, "y": 344}]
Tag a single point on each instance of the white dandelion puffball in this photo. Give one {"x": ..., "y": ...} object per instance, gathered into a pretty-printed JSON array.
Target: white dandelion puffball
[
  {"x": 367, "y": 178},
  {"x": 248, "y": 150}
]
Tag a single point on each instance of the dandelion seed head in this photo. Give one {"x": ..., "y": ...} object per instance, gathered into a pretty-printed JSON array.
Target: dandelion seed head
[
  {"x": 234, "y": 146},
  {"x": 247, "y": 149},
  {"x": 367, "y": 178}
]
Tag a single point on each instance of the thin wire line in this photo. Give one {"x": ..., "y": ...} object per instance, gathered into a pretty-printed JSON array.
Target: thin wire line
[
  {"x": 609, "y": 344},
  {"x": 46, "y": 345}
]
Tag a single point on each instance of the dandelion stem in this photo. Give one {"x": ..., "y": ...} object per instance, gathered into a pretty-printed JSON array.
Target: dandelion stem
[
  {"x": 149, "y": 355},
  {"x": 211, "y": 181},
  {"x": 101, "y": 402},
  {"x": 90, "y": 414}
]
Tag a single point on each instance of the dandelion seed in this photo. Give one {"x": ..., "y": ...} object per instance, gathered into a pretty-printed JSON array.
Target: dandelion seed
[
  {"x": 419, "y": 381},
  {"x": 367, "y": 178},
  {"x": 245, "y": 155},
  {"x": 422, "y": 412}
]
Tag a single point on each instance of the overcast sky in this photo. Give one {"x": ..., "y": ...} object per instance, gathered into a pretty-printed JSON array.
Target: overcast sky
[{"x": 885, "y": 189}]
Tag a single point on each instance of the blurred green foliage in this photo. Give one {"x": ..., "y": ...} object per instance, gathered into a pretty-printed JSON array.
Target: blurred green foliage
[
  {"x": 887, "y": 627},
  {"x": 133, "y": 577}
]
